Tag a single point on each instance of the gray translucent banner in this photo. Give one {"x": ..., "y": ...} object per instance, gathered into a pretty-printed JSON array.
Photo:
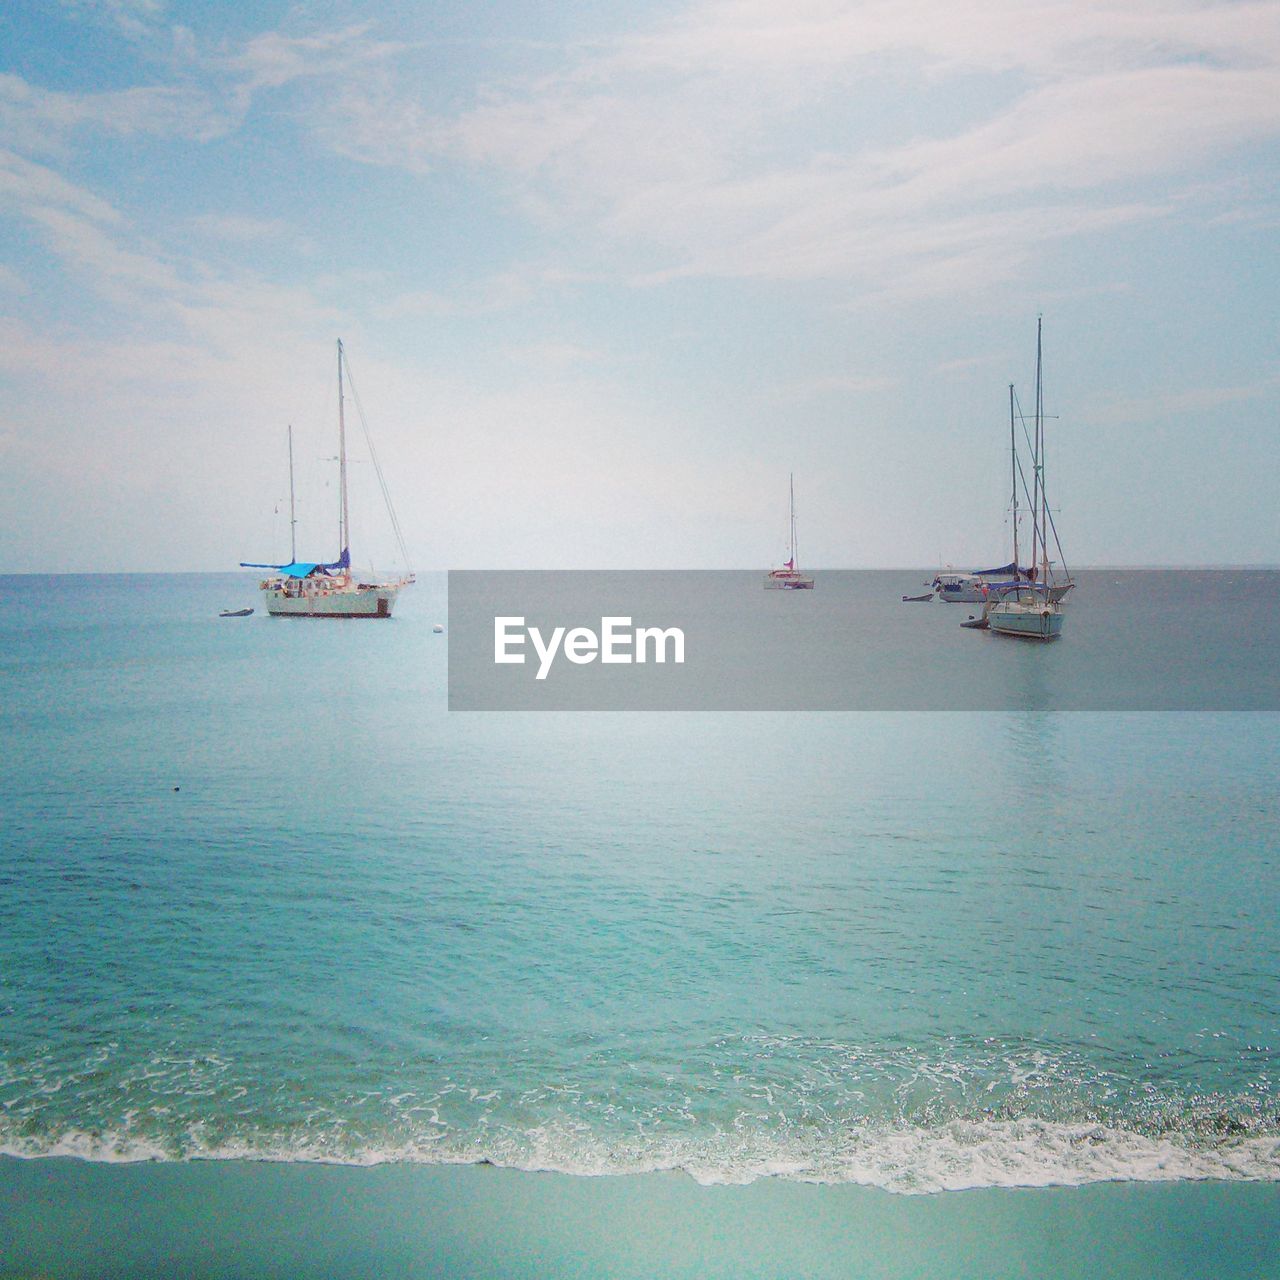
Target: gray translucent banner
[{"x": 1132, "y": 640}]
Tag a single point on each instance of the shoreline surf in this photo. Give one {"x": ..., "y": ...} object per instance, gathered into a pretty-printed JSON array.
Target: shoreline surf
[{"x": 962, "y": 1155}]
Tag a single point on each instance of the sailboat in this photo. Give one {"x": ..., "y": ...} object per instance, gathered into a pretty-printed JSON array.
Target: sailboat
[
  {"x": 956, "y": 587},
  {"x": 789, "y": 577},
  {"x": 978, "y": 585},
  {"x": 1031, "y": 608},
  {"x": 312, "y": 589}
]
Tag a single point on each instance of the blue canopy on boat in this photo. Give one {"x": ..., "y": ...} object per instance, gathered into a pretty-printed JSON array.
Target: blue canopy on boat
[
  {"x": 304, "y": 568},
  {"x": 1010, "y": 568}
]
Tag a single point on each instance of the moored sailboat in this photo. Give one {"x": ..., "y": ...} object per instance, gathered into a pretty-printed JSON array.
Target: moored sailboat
[
  {"x": 977, "y": 586},
  {"x": 956, "y": 587},
  {"x": 789, "y": 577},
  {"x": 1030, "y": 608},
  {"x": 312, "y": 589}
]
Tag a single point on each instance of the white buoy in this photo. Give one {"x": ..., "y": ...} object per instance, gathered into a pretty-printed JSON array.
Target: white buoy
[{"x": 438, "y": 629}]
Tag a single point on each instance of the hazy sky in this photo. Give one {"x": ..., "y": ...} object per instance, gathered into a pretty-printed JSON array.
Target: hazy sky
[{"x": 607, "y": 273}]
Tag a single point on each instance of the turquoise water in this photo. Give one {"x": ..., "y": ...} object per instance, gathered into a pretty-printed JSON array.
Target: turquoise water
[
  {"x": 67, "y": 1219},
  {"x": 916, "y": 950}
]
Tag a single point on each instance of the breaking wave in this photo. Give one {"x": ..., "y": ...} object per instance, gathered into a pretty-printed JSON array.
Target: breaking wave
[
  {"x": 961, "y": 1115},
  {"x": 958, "y": 1154}
]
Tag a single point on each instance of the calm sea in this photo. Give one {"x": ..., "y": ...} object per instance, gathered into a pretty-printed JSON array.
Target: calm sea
[{"x": 262, "y": 895}]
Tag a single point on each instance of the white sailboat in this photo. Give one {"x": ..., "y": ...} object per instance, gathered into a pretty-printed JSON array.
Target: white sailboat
[
  {"x": 978, "y": 585},
  {"x": 1031, "y": 608},
  {"x": 789, "y": 577},
  {"x": 310, "y": 589}
]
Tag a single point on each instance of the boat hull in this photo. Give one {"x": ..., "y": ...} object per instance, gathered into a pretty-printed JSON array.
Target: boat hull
[
  {"x": 788, "y": 584},
  {"x": 1035, "y": 623},
  {"x": 358, "y": 602}
]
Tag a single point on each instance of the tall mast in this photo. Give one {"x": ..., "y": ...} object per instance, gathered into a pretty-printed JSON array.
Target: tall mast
[
  {"x": 792, "y": 481},
  {"x": 293, "y": 518},
  {"x": 1013, "y": 466},
  {"x": 1044, "y": 502},
  {"x": 344, "y": 530},
  {"x": 1035, "y": 465}
]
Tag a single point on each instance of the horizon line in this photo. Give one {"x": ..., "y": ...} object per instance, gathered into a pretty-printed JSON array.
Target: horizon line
[{"x": 1257, "y": 567}]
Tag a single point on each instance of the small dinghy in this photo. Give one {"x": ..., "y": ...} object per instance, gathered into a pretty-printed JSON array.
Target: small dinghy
[
  {"x": 917, "y": 599},
  {"x": 976, "y": 624},
  {"x": 235, "y": 613}
]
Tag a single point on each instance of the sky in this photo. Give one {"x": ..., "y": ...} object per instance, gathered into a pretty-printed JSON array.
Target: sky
[{"x": 606, "y": 275}]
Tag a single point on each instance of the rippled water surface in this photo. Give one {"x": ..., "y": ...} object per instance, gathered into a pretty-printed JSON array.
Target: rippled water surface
[{"x": 916, "y": 950}]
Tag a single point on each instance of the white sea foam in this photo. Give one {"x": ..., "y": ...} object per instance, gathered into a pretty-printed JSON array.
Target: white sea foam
[{"x": 955, "y": 1156}]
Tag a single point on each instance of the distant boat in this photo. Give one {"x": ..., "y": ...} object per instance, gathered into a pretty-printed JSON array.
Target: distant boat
[
  {"x": 917, "y": 599},
  {"x": 789, "y": 577},
  {"x": 1028, "y": 607},
  {"x": 310, "y": 589},
  {"x": 235, "y": 613}
]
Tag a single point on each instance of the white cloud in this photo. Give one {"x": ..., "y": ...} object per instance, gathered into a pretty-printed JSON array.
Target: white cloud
[
  {"x": 201, "y": 94},
  {"x": 718, "y": 142},
  {"x": 12, "y": 283},
  {"x": 1172, "y": 404},
  {"x": 837, "y": 384},
  {"x": 25, "y": 185},
  {"x": 100, "y": 255},
  {"x": 710, "y": 141},
  {"x": 493, "y": 293},
  {"x": 41, "y": 120},
  {"x": 135, "y": 18},
  {"x": 241, "y": 230},
  {"x": 553, "y": 357},
  {"x": 274, "y": 59},
  {"x": 963, "y": 364}
]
